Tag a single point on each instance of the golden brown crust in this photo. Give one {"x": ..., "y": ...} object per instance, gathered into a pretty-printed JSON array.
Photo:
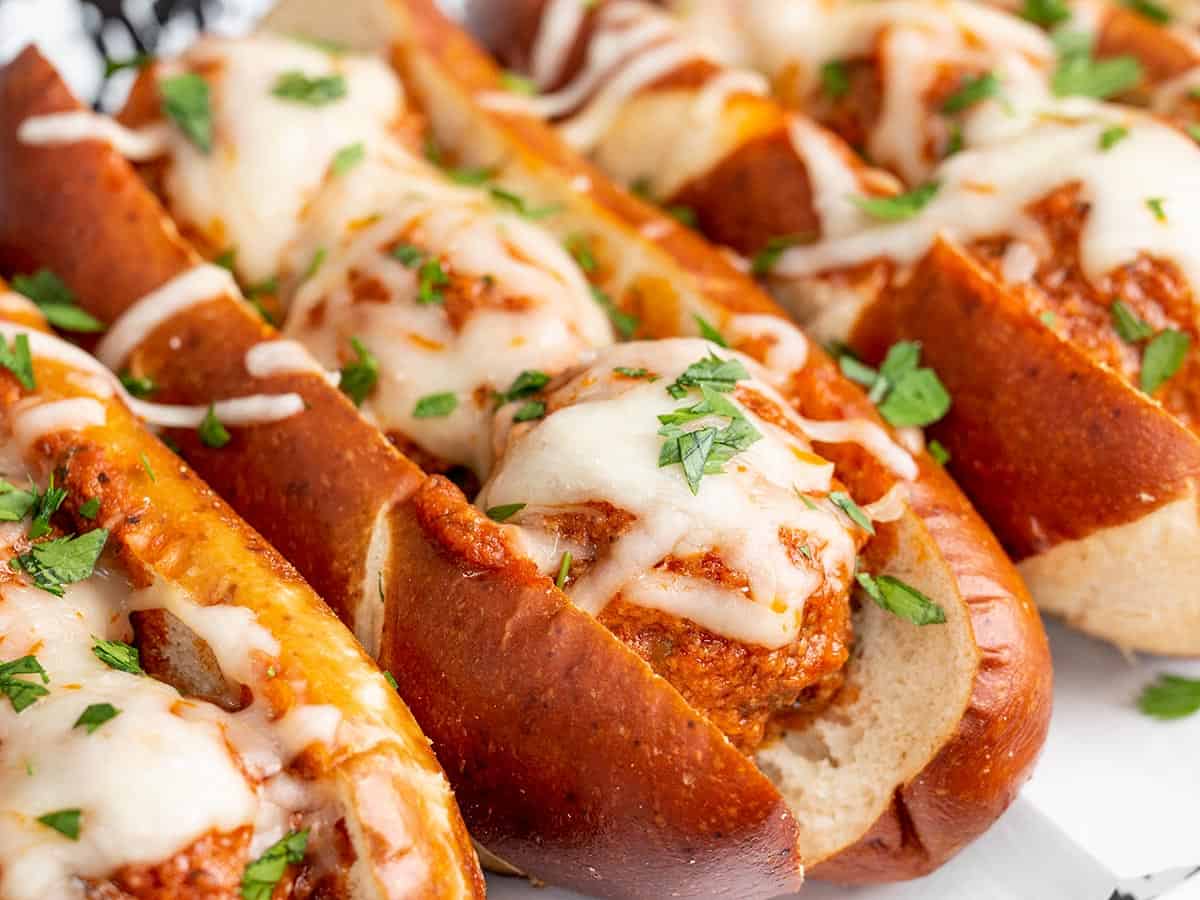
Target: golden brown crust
[{"x": 683, "y": 814}]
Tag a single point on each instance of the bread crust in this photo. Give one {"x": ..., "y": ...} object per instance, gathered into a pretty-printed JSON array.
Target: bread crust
[
  {"x": 1012, "y": 678},
  {"x": 165, "y": 523}
]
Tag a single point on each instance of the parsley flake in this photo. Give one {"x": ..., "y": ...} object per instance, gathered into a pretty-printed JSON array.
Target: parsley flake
[
  {"x": 901, "y": 600},
  {"x": 138, "y": 385},
  {"x": 18, "y": 360},
  {"x": 1045, "y": 12},
  {"x": 1110, "y": 137},
  {"x": 300, "y": 88},
  {"x": 1155, "y": 205},
  {"x": 899, "y": 207},
  {"x": 940, "y": 454},
  {"x": 1170, "y": 697},
  {"x": 853, "y": 511},
  {"x": 528, "y": 382},
  {"x": 564, "y": 571},
  {"x": 1080, "y": 74},
  {"x": 95, "y": 716},
  {"x": 974, "y": 90},
  {"x": 261, "y": 876},
  {"x": 22, "y": 694},
  {"x": 435, "y": 406},
  {"x": 517, "y": 204},
  {"x": 56, "y": 302},
  {"x": 45, "y": 505},
  {"x": 765, "y": 259},
  {"x": 64, "y": 821},
  {"x": 55, "y": 563},
  {"x": 118, "y": 655},
  {"x": 626, "y": 324},
  {"x": 347, "y": 158},
  {"x": 431, "y": 278},
  {"x": 89, "y": 509},
  {"x": 1163, "y": 357},
  {"x": 1128, "y": 324},
  {"x": 358, "y": 377},
  {"x": 212, "y": 432},
  {"x": 185, "y": 101},
  {"x": 835, "y": 79},
  {"x": 504, "y": 511},
  {"x": 708, "y": 332},
  {"x": 15, "y": 503},
  {"x": 529, "y": 411}
]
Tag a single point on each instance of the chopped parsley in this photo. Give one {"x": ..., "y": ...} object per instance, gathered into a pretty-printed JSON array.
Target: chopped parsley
[
  {"x": 18, "y": 360},
  {"x": 940, "y": 454},
  {"x": 639, "y": 372},
  {"x": 431, "y": 278},
  {"x": 1155, "y": 205},
  {"x": 20, "y": 693},
  {"x": 899, "y": 207},
  {"x": 1162, "y": 358},
  {"x": 684, "y": 215},
  {"x": 359, "y": 376},
  {"x": 64, "y": 821},
  {"x": 1046, "y": 13},
  {"x": 529, "y": 382},
  {"x": 185, "y": 101},
  {"x": 853, "y": 511},
  {"x": 564, "y": 571},
  {"x": 300, "y": 88},
  {"x": 226, "y": 259},
  {"x": 314, "y": 264},
  {"x": 149, "y": 469},
  {"x": 765, "y": 259},
  {"x": 705, "y": 450},
  {"x": 45, "y": 505},
  {"x": 1128, "y": 324},
  {"x": 708, "y": 332},
  {"x": 261, "y": 876},
  {"x": 712, "y": 371},
  {"x": 626, "y": 324},
  {"x": 529, "y": 411},
  {"x": 517, "y": 204},
  {"x": 973, "y": 90},
  {"x": 138, "y": 385},
  {"x": 1110, "y": 137},
  {"x": 61, "y": 561},
  {"x": 56, "y": 301},
  {"x": 15, "y": 503},
  {"x": 1153, "y": 11},
  {"x": 1193, "y": 131},
  {"x": 906, "y": 393},
  {"x": 1079, "y": 73},
  {"x": 900, "y": 599},
  {"x": 580, "y": 249},
  {"x": 137, "y": 61},
  {"x": 95, "y": 716},
  {"x": 347, "y": 158},
  {"x": 504, "y": 511},
  {"x": 409, "y": 255},
  {"x": 118, "y": 655},
  {"x": 90, "y": 508},
  {"x": 212, "y": 432},
  {"x": 515, "y": 83},
  {"x": 435, "y": 406},
  {"x": 472, "y": 176},
  {"x": 391, "y": 680},
  {"x": 1170, "y": 697},
  {"x": 835, "y": 79}
]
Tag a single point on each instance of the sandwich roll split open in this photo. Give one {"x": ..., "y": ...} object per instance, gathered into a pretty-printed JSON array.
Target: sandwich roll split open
[
  {"x": 632, "y": 690},
  {"x": 183, "y": 716},
  {"x": 1041, "y": 284}
]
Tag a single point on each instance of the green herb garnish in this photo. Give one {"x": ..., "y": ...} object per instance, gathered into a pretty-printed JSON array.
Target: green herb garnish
[
  {"x": 55, "y": 563},
  {"x": 347, "y": 158},
  {"x": 22, "y": 694},
  {"x": 300, "y": 88},
  {"x": 835, "y": 79},
  {"x": 1110, "y": 137},
  {"x": 261, "y": 876},
  {"x": 185, "y": 101},
  {"x": 118, "y": 655},
  {"x": 1162, "y": 358},
  {"x": 902, "y": 600},
  {"x": 95, "y": 716},
  {"x": 212, "y": 432},
  {"x": 435, "y": 406},
  {"x": 138, "y": 385},
  {"x": 853, "y": 511},
  {"x": 56, "y": 302},
  {"x": 901, "y": 206},
  {"x": 1170, "y": 697},
  {"x": 973, "y": 90},
  {"x": 504, "y": 511},
  {"x": 64, "y": 821},
  {"x": 359, "y": 376}
]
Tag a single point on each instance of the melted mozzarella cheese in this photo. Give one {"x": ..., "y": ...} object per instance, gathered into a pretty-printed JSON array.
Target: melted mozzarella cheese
[
  {"x": 541, "y": 314},
  {"x": 603, "y": 445},
  {"x": 149, "y": 782},
  {"x": 985, "y": 191},
  {"x": 631, "y": 45},
  {"x": 252, "y": 188},
  {"x": 913, "y": 43}
]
